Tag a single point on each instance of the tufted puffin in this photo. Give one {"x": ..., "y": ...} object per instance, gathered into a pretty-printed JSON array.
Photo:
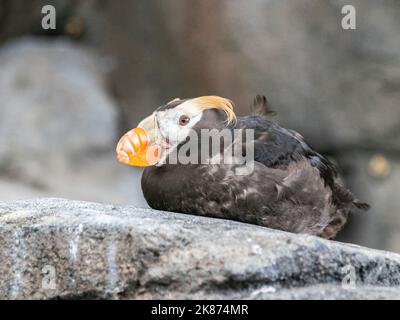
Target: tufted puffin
[{"x": 288, "y": 186}]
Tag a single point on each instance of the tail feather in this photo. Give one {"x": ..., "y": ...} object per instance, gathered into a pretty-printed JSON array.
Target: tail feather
[
  {"x": 260, "y": 107},
  {"x": 361, "y": 205}
]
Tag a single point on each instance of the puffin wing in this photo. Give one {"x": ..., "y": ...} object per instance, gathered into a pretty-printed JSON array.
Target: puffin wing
[{"x": 278, "y": 147}]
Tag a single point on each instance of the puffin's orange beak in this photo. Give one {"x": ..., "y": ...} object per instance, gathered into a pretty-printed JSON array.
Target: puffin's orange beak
[{"x": 135, "y": 148}]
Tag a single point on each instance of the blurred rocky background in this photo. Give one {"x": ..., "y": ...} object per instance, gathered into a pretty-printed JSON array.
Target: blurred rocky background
[{"x": 67, "y": 94}]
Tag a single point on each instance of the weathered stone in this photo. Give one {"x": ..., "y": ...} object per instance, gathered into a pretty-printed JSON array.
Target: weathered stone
[
  {"x": 58, "y": 125},
  {"x": 54, "y": 248},
  {"x": 339, "y": 88},
  {"x": 54, "y": 106}
]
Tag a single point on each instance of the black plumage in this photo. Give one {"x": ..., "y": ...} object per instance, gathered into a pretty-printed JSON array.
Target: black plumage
[{"x": 292, "y": 188}]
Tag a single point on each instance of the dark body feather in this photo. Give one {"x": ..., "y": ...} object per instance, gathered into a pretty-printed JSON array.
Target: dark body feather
[{"x": 292, "y": 188}]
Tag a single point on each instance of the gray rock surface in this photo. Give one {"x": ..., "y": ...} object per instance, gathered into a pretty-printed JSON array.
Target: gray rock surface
[
  {"x": 339, "y": 88},
  {"x": 58, "y": 125},
  {"x": 55, "y": 248},
  {"x": 54, "y": 102}
]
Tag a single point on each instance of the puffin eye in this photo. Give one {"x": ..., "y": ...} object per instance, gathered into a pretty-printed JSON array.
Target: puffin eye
[{"x": 183, "y": 120}]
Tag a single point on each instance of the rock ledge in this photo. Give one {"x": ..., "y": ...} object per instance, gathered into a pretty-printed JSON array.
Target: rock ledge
[{"x": 57, "y": 248}]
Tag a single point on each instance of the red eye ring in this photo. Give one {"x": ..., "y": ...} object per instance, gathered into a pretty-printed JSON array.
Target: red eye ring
[{"x": 184, "y": 120}]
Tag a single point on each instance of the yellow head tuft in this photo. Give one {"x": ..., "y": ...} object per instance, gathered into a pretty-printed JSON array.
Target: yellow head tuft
[{"x": 209, "y": 102}]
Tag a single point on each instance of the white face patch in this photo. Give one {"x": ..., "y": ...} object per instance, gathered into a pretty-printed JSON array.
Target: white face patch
[
  {"x": 171, "y": 127},
  {"x": 168, "y": 122}
]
